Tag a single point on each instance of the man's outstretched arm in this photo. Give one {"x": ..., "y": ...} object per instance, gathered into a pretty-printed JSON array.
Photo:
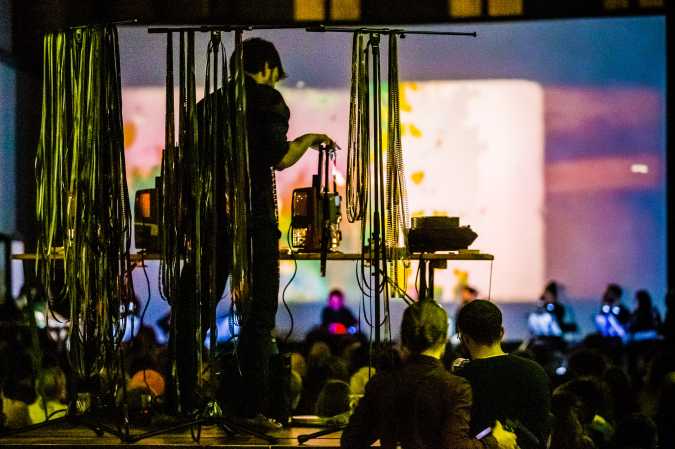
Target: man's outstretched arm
[{"x": 299, "y": 146}]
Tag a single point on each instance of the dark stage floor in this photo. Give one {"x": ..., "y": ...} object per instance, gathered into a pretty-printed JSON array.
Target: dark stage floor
[{"x": 67, "y": 436}]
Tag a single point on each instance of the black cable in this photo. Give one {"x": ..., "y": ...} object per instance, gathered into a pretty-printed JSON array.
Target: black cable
[
  {"x": 147, "y": 283},
  {"x": 56, "y": 412},
  {"x": 295, "y": 271},
  {"x": 490, "y": 285}
]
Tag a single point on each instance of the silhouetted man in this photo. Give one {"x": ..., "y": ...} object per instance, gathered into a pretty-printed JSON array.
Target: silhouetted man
[
  {"x": 267, "y": 122},
  {"x": 505, "y": 387}
]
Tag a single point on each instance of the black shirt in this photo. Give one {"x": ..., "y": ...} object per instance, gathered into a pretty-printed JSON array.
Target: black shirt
[
  {"x": 343, "y": 316},
  {"x": 509, "y": 387},
  {"x": 267, "y": 119}
]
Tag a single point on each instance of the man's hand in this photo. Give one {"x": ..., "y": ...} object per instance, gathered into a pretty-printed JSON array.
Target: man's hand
[
  {"x": 322, "y": 141},
  {"x": 298, "y": 147},
  {"x": 505, "y": 439}
]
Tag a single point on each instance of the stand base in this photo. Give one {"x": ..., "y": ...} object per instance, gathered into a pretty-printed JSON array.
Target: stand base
[{"x": 65, "y": 436}]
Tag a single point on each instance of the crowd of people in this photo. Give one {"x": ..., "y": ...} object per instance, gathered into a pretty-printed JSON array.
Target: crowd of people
[{"x": 603, "y": 392}]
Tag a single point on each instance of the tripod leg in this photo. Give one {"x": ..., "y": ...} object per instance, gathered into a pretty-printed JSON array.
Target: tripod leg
[
  {"x": 310, "y": 436},
  {"x": 239, "y": 428}
]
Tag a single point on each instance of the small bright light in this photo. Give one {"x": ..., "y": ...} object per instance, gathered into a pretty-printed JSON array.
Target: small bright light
[
  {"x": 642, "y": 169},
  {"x": 300, "y": 84},
  {"x": 339, "y": 178},
  {"x": 561, "y": 370}
]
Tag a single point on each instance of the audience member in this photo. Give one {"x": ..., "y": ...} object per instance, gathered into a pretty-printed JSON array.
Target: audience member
[
  {"x": 359, "y": 380},
  {"x": 506, "y": 387},
  {"x": 51, "y": 395},
  {"x": 595, "y": 410},
  {"x": 645, "y": 318},
  {"x": 295, "y": 389},
  {"x": 551, "y": 319},
  {"x": 15, "y": 412},
  {"x": 584, "y": 362},
  {"x": 636, "y": 432},
  {"x": 613, "y": 317},
  {"x": 623, "y": 398},
  {"x": 665, "y": 416},
  {"x": 298, "y": 364},
  {"x": 147, "y": 379},
  {"x": 549, "y": 299},
  {"x": 333, "y": 399},
  {"x": 321, "y": 368},
  {"x": 420, "y": 405},
  {"x": 668, "y": 326},
  {"x": 336, "y": 317},
  {"x": 568, "y": 430}
]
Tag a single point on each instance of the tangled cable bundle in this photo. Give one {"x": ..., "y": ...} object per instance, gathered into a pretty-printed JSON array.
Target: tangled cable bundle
[
  {"x": 83, "y": 200},
  {"x": 397, "y": 217},
  {"x": 358, "y": 152},
  {"x": 376, "y": 195},
  {"x": 241, "y": 191},
  {"x": 213, "y": 207}
]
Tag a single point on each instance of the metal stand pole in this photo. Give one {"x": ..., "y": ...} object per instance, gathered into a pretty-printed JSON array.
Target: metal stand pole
[{"x": 377, "y": 150}]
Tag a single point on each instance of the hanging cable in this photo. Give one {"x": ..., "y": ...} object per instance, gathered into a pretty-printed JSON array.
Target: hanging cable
[
  {"x": 241, "y": 194},
  {"x": 83, "y": 200}
]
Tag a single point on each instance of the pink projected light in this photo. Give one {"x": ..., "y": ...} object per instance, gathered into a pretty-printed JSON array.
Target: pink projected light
[{"x": 473, "y": 149}]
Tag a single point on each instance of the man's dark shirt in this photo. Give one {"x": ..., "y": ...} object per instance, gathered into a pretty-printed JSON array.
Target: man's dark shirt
[
  {"x": 509, "y": 387},
  {"x": 420, "y": 406},
  {"x": 267, "y": 118},
  {"x": 343, "y": 316}
]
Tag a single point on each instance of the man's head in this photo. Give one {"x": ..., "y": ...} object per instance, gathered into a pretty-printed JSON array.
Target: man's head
[
  {"x": 261, "y": 61},
  {"x": 480, "y": 324},
  {"x": 336, "y": 299},
  {"x": 612, "y": 294},
  {"x": 424, "y": 326},
  {"x": 550, "y": 294}
]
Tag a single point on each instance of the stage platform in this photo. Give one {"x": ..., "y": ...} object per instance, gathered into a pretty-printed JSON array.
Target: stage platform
[{"x": 65, "y": 436}]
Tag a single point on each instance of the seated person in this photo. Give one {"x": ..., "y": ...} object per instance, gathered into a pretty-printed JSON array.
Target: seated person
[
  {"x": 51, "y": 395},
  {"x": 419, "y": 404},
  {"x": 613, "y": 318},
  {"x": 505, "y": 386},
  {"x": 550, "y": 319},
  {"x": 645, "y": 320},
  {"x": 336, "y": 317}
]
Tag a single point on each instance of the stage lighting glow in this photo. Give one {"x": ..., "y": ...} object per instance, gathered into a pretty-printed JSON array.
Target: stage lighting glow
[{"x": 639, "y": 168}]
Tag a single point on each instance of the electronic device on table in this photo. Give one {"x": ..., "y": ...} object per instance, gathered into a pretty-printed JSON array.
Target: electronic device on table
[
  {"x": 316, "y": 213},
  {"x": 430, "y": 234},
  {"x": 146, "y": 218}
]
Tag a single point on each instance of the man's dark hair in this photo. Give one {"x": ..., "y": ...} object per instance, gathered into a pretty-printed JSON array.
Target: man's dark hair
[
  {"x": 552, "y": 288},
  {"x": 257, "y": 52},
  {"x": 615, "y": 289},
  {"x": 481, "y": 320},
  {"x": 644, "y": 300},
  {"x": 337, "y": 292},
  {"x": 424, "y": 325}
]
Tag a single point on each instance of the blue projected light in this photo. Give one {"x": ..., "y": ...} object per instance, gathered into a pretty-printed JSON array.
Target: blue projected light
[{"x": 7, "y": 148}]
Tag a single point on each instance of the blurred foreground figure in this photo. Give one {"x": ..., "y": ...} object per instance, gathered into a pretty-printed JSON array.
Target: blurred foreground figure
[{"x": 336, "y": 317}]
